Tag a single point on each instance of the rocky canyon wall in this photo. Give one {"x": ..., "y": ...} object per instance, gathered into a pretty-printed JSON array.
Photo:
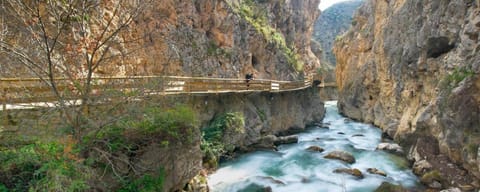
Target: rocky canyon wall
[
  {"x": 411, "y": 67},
  {"x": 216, "y": 38}
]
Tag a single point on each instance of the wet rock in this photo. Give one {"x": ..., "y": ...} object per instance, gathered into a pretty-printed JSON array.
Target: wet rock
[
  {"x": 347, "y": 120},
  {"x": 354, "y": 172},
  {"x": 265, "y": 142},
  {"x": 391, "y": 147},
  {"x": 358, "y": 135},
  {"x": 271, "y": 180},
  {"x": 315, "y": 149},
  {"x": 376, "y": 171},
  {"x": 421, "y": 167},
  {"x": 286, "y": 140},
  {"x": 305, "y": 180},
  {"x": 341, "y": 133},
  {"x": 388, "y": 187},
  {"x": 451, "y": 190},
  {"x": 267, "y": 189},
  {"x": 341, "y": 155},
  {"x": 323, "y": 125}
]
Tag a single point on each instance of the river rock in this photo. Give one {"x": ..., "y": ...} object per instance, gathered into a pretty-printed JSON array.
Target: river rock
[
  {"x": 315, "y": 149},
  {"x": 390, "y": 147},
  {"x": 354, "y": 172},
  {"x": 270, "y": 179},
  {"x": 421, "y": 167},
  {"x": 267, "y": 189},
  {"x": 358, "y": 135},
  {"x": 376, "y": 171},
  {"x": 286, "y": 140},
  {"x": 451, "y": 190},
  {"x": 388, "y": 187},
  {"x": 265, "y": 142},
  {"x": 341, "y": 133},
  {"x": 341, "y": 155},
  {"x": 323, "y": 125}
]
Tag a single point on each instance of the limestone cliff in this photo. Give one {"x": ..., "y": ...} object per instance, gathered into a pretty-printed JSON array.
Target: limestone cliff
[
  {"x": 217, "y": 38},
  {"x": 333, "y": 21},
  {"x": 411, "y": 67},
  {"x": 228, "y": 38}
]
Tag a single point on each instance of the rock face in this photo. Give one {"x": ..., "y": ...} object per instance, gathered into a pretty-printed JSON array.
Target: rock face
[
  {"x": 411, "y": 67},
  {"x": 217, "y": 38},
  {"x": 266, "y": 114},
  {"x": 332, "y": 22}
]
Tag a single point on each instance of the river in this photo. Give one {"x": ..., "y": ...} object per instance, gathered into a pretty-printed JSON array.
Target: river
[{"x": 292, "y": 168}]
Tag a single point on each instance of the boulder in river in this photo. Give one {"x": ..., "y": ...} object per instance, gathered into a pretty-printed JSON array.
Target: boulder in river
[
  {"x": 323, "y": 125},
  {"x": 286, "y": 140},
  {"x": 358, "y": 135},
  {"x": 315, "y": 149},
  {"x": 388, "y": 187},
  {"x": 391, "y": 147},
  {"x": 354, "y": 172},
  {"x": 376, "y": 171},
  {"x": 341, "y": 155}
]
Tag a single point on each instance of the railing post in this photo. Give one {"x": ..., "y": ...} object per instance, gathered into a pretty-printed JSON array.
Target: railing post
[{"x": 4, "y": 106}]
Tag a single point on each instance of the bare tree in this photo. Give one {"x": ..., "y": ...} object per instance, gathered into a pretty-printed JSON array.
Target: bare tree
[{"x": 64, "y": 42}]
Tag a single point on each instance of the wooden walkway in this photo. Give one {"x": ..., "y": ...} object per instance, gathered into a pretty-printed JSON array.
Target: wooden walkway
[{"x": 18, "y": 92}]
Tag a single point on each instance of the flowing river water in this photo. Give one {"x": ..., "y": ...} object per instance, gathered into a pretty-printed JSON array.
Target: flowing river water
[{"x": 294, "y": 169}]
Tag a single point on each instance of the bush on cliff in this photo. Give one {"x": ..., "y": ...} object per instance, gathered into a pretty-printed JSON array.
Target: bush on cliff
[{"x": 213, "y": 144}]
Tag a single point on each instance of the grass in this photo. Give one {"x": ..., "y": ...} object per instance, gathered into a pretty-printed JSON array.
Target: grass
[{"x": 458, "y": 75}]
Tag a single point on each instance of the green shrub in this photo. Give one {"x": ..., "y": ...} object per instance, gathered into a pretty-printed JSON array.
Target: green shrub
[
  {"x": 212, "y": 143},
  {"x": 42, "y": 167},
  {"x": 172, "y": 125},
  {"x": 146, "y": 183}
]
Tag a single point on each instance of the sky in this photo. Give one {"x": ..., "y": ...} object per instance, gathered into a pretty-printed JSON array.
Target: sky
[{"x": 324, "y": 4}]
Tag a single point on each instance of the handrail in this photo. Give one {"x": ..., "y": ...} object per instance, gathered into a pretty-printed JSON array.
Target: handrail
[{"x": 28, "y": 90}]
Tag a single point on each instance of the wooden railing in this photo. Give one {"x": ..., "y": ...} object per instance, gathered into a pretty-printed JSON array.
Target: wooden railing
[{"x": 30, "y": 90}]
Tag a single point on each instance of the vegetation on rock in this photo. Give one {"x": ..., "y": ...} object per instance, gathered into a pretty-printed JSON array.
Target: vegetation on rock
[
  {"x": 258, "y": 18},
  {"x": 213, "y": 142}
]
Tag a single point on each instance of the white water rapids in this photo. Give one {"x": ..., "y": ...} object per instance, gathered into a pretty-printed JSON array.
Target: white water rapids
[{"x": 292, "y": 168}]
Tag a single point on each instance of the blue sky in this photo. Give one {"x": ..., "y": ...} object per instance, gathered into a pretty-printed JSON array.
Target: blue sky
[{"x": 327, "y": 3}]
